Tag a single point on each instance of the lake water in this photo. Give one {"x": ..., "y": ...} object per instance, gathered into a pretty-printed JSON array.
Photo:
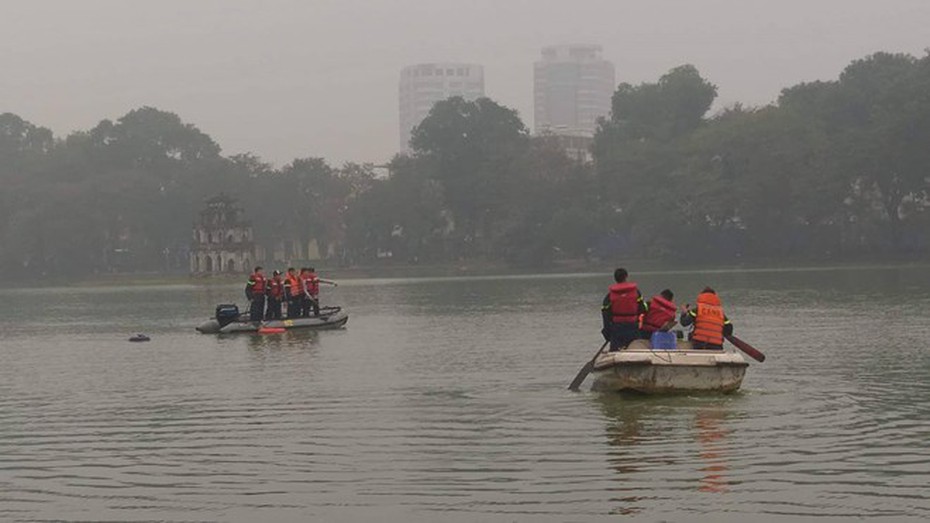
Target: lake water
[{"x": 445, "y": 400}]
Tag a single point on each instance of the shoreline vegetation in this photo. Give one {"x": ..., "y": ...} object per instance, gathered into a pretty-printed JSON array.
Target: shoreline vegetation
[
  {"x": 835, "y": 170},
  {"x": 577, "y": 267}
]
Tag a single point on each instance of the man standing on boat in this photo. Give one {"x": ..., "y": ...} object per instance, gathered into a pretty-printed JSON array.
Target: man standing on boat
[
  {"x": 711, "y": 325},
  {"x": 621, "y": 310},
  {"x": 660, "y": 315},
  {"x": 311, "y": 285},
  {"x": 255, "y": 292},
  {"x": 293, "y": 293},
  {"x": 275, "y": 296}
]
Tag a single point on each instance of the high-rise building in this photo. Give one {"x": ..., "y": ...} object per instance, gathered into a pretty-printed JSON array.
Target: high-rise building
[
  {"x": 573, "y": 86},
  {"x": 422, "y": 85}
]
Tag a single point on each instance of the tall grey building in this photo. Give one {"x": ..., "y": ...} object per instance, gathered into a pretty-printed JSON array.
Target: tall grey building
[
  {"x": 422, "y": 85},
  {"x": 573, "y": 86}
]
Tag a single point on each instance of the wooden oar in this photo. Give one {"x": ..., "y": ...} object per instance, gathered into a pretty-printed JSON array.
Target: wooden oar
[
  {"x": 747, "y": 348},
  {"x": 583, "y": 373}
]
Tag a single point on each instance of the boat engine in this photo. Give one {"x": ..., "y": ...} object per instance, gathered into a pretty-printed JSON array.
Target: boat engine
[{"x": 226, "y": 313}]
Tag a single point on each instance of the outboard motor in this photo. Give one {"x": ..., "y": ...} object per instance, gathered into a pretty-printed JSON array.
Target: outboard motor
[{"x": 226, "y": 314}]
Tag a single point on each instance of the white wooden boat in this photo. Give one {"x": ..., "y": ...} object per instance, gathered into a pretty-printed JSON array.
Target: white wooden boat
[{"x": 685, "y": 369}]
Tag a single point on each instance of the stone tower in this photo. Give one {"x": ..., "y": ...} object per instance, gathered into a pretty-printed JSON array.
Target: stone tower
[{"x": 222, "y": 239}]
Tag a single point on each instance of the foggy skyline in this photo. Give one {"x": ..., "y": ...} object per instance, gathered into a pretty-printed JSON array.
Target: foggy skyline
[{"x": 295, "y": 79}]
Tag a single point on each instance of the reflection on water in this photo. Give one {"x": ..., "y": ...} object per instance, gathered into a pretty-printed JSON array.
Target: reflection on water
[
  {"x": 685, "y": 435},
  {"x": 712, "y": 436}
]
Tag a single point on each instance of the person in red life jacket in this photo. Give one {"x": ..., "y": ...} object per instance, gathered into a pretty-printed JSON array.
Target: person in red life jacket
[
  {"x": 621, "y": 310},
  {"x": 311, "y": 286},
  {"x": 660, "y": 315},
  {"x": 255, "y": 291},
  {"x": 710, "y": 324},
  {"x": 275, "y": 295},
  {"x": 293, "y": 293}
]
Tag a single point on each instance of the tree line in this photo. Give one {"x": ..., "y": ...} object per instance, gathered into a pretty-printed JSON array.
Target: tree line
[{"x": 832, "y": 169}]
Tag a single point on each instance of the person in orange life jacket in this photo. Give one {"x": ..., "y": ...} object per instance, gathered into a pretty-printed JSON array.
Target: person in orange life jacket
[
  {"x": 275, "y": 296},
  {"x": 292, "y": 293},
  {"x": 621, "y": 310},
  {"x": 255, "y": 292},
  {"x": 660, "y": 315},
  {"x": 710, "y": 324}
]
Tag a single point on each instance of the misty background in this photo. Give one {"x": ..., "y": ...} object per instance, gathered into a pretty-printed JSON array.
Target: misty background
[
  {"x": 204, "y": 137},
  {"x": 290, "y": 79}
]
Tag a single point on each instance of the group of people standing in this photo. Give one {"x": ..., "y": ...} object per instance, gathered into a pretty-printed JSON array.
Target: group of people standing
[
  {"x": 300, "y": 291},
  {"x": 627, "y": 317}
]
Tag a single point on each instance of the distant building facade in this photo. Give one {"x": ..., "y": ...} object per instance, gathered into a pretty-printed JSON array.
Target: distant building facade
[
  {"x": 422, "y": 85},
  {"x": 573, "y": 86},
  {"x": 222, "y": 239}
]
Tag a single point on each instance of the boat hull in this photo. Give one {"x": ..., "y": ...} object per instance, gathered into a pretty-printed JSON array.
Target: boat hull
[
  {"x": 336, "y": 320},
  {"x": 641, "y": 369}
]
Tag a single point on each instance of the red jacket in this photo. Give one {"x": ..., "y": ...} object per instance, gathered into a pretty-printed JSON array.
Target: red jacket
[
  {"x": 661, "y": 311},
  {"x": 624, "y": 302},
  {"x": 276, "y": 288},
  {"x": 257, "y": 283}
]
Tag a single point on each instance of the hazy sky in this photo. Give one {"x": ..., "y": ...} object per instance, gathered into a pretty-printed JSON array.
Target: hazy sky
[{"x": 286, "y": 79}]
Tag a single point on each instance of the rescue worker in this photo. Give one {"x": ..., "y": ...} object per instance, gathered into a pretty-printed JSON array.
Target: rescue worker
[
  {"x": 311, "y": 286},
  {"x": 293, "y": 293},
  {"x": 306, "y": 303},
  {"x": 621, "y": 310},
  {"x": 255, "y": 292},
  {"x": 660, "y": 315},
  {"x": 711, "y": 325},
  {"x": 275, "y": 296}
]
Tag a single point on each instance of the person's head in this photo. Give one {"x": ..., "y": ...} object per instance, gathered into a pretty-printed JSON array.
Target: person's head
[
  {"x": 708, "y": 290},
  {"x": 291, "y": 270},
  {"x": 258, "y": 269},
  {"x": 620, "y": 275},
  {"x": 276, "y": 273},
  {"x": 667, "y": 294},
  {"x": 311, "y": 269},
  {"x": 303, "y": 270}
]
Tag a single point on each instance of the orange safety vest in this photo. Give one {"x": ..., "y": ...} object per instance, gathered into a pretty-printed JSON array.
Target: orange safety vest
[
  {"x": 708, "y": 324},
  {"x": 661, "y": 311},
  {"x": 293, "y": 285},
  {"x": 624, "y": 302}
]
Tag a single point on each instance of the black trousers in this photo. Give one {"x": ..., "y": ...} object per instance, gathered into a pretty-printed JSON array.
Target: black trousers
[
  {"x": 274, "y": 309},
  {"x": 294, "y": 307},
  {"x": 311, "y": 304},
  {"x": 257, "y": 308},
  {"x": 621, "y": 334}
]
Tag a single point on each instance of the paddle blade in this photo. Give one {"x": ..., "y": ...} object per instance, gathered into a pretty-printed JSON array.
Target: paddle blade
[
  {"x": 582, "y": 374},
  {"x": 588, "y": 367},
  {"x": 750, "y": 351}
]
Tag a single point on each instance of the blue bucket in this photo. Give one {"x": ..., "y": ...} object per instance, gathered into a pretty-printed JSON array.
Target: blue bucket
[{"x": 663, "y": 341}]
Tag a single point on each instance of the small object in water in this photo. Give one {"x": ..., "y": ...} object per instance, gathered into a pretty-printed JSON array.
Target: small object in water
[
  {"x": 271, "y": 330},
  {"x": 140, "y": 337}
]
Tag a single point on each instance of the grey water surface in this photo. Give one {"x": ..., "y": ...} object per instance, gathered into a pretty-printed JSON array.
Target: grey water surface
[{"x": 445, "y": 400}]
